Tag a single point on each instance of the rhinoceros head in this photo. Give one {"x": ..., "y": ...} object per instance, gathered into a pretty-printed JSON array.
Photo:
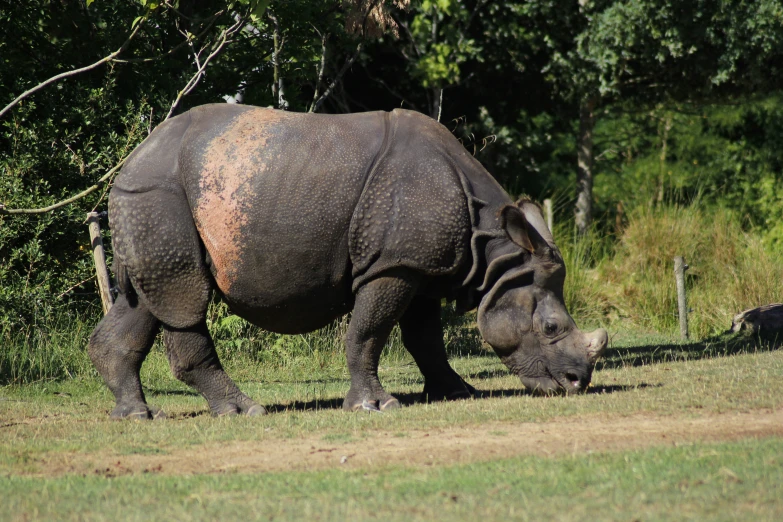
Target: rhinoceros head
[{"x": 523, "y": 315}]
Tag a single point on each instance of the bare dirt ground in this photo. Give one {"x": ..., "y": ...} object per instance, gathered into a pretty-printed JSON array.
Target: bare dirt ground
[{"x": 439, "y": 447}]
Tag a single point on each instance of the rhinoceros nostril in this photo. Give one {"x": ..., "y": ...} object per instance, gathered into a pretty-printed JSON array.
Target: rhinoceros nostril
[{"x": 573, "y": 379}]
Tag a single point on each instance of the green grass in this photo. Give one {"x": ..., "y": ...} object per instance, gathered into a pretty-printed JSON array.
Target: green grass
[
  {"x": 640, "y": 374},
  {"x": 738, "y": 481},
  {"x": 52, "y": 349}
]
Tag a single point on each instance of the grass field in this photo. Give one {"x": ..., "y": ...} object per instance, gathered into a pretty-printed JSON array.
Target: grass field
[{"x": 668, "y": 431}]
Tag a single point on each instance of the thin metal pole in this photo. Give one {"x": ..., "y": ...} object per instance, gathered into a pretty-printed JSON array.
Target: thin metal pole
[
  {"x": 682, "y": 302},
  {"x": 99, "y": 256}
]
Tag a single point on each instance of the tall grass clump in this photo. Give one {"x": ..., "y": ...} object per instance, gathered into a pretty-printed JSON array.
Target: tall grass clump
[
  {"x": 583, "y": 292},
  {"x": 730, "y": 270},
  {"x": 52, "y": 348}
]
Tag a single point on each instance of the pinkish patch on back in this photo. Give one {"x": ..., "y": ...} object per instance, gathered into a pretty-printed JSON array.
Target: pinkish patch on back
[{"x": 231, "y": 162}]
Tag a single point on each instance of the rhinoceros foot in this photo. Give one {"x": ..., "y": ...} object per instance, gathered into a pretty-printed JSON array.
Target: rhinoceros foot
[
  {"x": 138, "y": 411},
  {"x": 439, "y": 392},
  {"x": 230, "y": 408},
  {"x": 372, "y": 405},
  {"x": 391, "y": 404}
]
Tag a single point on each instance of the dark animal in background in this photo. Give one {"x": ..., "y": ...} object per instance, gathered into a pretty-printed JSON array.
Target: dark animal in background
[{"x": 297, "y": 219}]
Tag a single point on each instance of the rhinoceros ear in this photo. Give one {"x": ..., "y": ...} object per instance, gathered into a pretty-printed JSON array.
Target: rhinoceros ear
[{"x": 518, "y": 229}]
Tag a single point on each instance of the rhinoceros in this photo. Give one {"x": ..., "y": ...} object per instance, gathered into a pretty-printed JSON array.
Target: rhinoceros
[{"x": 297, "y": 219}]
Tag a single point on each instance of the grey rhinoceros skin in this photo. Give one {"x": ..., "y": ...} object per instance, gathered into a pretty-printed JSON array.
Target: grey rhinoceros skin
[{"x": 297, "y": 219}]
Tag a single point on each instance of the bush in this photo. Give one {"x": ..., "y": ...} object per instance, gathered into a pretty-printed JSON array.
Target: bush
[
  {"x": 51, "y": 347},
  {"x": 731, "y": 270}
]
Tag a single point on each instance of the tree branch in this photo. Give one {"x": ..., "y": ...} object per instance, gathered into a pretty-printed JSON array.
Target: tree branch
[
  {"x": 210, "y": 22},
  {"x": 278, "y": 83},
  {"x": 107, "y": 177},
  {"x": 337, "y": 78},
  {"x": 320, "y": 79},
  {"x": 348, "y": 64},
  {"x": 73, "y": 72},
  {"x": 411, "y": 39},
  {"x": 200, "y": 72},
  {"x": 64, "y": 202}
]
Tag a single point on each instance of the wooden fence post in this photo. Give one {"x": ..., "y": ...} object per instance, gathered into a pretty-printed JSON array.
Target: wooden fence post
[
  {"x": 682, "y": 303},
  {"x": 549, "y": 215},
  {"x": 99, "y": 256}
]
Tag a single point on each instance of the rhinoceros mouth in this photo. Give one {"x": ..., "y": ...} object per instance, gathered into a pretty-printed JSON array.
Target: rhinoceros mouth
[
  {"x": 568, "y": 383},
  {"x": 573, "y": 380}
]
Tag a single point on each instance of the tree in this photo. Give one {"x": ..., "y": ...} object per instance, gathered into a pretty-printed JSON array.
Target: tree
[{"x": 646, "y": 52}]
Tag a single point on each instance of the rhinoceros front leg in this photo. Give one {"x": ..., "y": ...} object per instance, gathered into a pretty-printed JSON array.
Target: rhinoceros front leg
[
  {"x": 422, "y": 334},
  {"x": 118, "y": 347},
  {"x": 194, "y": 361},
  {"x": 378, "y": 306}
]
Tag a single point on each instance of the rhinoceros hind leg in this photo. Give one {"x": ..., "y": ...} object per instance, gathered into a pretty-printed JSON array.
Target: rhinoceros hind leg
[
  {"x": 422, "y": 335},
  {"x": 378, "y": 306},
  {"x": 118, "y": 346},
  {"x": 193, "y": 360}
]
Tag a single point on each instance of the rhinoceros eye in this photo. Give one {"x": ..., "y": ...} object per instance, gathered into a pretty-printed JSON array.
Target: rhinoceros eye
[{"x": 550, "y": 329}]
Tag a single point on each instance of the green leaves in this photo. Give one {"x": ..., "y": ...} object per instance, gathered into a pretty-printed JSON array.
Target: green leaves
[
  {"x": 444, "y": 6},
  {"x": 437, "y": 67},
  {"x": 258, "y": 10},
  {"x": 152, "y": 5},
  {"x": 441, "y": 42},
  {"x": 688, "y": 46}
]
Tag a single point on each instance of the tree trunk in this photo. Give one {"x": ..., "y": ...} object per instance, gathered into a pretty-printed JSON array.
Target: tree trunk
[
  {"x": 584, "y": 175},
  {"x": 437, "y": 94},
  {"x": 278, "y": 89}
]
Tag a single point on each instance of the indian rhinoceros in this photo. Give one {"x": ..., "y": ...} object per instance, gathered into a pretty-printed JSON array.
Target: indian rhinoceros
[{"x": 298, "y": 219}]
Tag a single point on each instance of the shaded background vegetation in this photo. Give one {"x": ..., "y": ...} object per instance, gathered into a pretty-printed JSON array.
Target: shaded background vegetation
[{"x": 686, "y": 125}]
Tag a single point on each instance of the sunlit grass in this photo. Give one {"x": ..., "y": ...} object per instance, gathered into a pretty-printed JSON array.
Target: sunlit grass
[
  {"x": 738, "y": 481},
  {"x": 629, "y": 282},
  {"x": 639, "y": 375}
]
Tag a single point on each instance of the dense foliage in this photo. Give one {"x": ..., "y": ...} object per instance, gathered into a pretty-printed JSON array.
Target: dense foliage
[{"x": 686, "y": 107}]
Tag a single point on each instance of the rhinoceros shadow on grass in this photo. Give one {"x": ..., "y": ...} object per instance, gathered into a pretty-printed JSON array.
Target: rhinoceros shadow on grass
[
  {"x": 409, "y": 399},
  {"x": 297, "y": 219},
  {"x": 405, "y": 399}
]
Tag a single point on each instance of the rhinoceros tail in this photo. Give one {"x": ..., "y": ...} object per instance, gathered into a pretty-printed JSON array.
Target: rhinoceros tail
[{"x": 121, "y": 276}]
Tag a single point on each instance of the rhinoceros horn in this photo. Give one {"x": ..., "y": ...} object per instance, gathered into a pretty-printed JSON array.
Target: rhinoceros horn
[{"x": 597, "y": 342}]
